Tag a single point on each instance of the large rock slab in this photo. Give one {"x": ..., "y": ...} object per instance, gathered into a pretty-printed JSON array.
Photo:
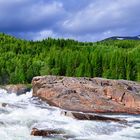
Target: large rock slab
[
  {"x": 93, "y": 95},
  {"x": 88, "y": 116}
]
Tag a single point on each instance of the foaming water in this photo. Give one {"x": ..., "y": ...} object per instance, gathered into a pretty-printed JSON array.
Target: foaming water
[{"x": 22, "y": 113}]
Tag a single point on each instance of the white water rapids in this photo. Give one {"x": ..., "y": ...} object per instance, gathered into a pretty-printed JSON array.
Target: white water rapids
[{"x": 25, "y": 112}]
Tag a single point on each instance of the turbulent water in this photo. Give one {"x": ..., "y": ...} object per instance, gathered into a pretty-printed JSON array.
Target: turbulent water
[{"x": 24, "y": 113}]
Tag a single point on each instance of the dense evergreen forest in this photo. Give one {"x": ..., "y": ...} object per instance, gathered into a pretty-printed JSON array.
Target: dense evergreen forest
[{"x": 21, "y": 60}]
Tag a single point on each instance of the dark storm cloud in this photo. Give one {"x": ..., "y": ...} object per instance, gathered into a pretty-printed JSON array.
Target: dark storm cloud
[
  {"x": 86, "y": 20},
  {"x": 29, "y": 15}
]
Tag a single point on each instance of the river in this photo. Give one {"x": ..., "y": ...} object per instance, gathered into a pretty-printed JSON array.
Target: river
[{"x": 25, "y": 112}]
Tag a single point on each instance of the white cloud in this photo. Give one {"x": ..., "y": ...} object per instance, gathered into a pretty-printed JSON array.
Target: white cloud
[
  {"x": 44, "y": 34},
  {"x": 102, "y": 16}
]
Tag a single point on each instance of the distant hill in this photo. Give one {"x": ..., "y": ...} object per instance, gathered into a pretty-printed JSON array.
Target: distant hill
[{"x": 124, "y": 38}]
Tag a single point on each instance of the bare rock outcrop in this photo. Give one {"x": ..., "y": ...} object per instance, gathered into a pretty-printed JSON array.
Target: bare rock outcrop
[{"x": 90, "y": 95}]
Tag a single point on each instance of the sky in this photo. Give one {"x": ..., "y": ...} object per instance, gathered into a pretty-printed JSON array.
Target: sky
[{"x": 83, "y": 20}]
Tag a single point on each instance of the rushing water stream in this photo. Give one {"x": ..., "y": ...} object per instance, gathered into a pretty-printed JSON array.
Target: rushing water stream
[{"x": 24, "y": 113}]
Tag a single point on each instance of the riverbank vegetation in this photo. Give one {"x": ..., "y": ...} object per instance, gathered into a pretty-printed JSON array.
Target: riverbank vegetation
[{"x": 21, "y": 60}]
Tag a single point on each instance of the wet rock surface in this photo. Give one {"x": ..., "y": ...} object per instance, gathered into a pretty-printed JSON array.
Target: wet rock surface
[
  {"x": 88, "y": 116},
  {"x": 57, "y": 134},
  {"x": 45, "y": 133},
  {"x": 18, "y": 89},
  {"x": 3, "y": 104},
  {"x": 89, "y": 95}
]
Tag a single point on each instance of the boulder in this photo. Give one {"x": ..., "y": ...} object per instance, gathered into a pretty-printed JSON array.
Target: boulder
[
  {"x": 45, "y": 133},
  {"x": 18, "y": 89},
  {"x": 89, "y": 95}
]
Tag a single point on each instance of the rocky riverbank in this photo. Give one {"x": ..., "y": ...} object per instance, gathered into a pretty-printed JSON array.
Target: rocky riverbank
[
  {"x": 89, "y": 95},
  {"x": 26, "y": 117}
]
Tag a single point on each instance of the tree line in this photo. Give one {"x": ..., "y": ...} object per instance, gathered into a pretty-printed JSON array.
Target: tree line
[{"x": 21, "y": 60}]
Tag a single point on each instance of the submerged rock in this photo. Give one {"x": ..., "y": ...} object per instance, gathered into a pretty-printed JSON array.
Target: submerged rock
[
  {"x": 3, "y": 104},
  {"x": 89, "y": 95}
]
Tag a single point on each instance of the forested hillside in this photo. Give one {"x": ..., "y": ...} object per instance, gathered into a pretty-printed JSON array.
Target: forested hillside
[{"x": 21, "y": 60}]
